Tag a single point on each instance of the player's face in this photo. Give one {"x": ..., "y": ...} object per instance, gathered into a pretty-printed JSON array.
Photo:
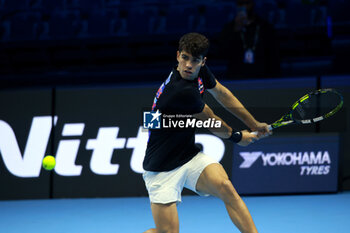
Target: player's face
[{"x": 189, "y": 65}]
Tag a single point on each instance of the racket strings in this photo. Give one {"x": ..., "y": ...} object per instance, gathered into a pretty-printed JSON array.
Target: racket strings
[{"x": 316, "y": 106}]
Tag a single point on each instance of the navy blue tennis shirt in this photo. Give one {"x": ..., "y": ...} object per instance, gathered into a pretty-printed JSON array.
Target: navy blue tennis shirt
[{"x": 169, "y": 149}]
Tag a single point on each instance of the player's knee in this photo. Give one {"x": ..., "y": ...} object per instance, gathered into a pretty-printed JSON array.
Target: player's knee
[
  {"x": 226, "y": 186},
  {"x": 227, "y": 191}
]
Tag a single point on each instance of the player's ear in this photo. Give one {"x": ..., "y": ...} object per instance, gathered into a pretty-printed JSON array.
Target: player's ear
[
  {"x": 204, "y": 60},
  {"x": 178, "y": 55}
]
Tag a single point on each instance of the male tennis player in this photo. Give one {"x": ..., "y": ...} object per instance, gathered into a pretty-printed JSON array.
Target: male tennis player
[{"x": 173, "y": 161}]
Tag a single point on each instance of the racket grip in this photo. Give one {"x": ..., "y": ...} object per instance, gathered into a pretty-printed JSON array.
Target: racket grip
[{"x": 256, "y": 132}]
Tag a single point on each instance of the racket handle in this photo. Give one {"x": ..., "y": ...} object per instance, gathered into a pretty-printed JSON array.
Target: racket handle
[{"x": 256, "y": 132}]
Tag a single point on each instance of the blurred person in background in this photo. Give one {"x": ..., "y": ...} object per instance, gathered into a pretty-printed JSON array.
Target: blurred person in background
[{"x": 249, "y": 45}]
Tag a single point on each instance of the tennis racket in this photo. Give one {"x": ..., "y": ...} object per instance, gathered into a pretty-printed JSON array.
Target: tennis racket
[{"x": 311, "y": 108}]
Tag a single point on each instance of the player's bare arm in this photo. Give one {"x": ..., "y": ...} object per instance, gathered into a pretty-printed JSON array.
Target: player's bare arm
[
  {"x": 234, "y": 106},
  {"x": 225, "y": 131}
]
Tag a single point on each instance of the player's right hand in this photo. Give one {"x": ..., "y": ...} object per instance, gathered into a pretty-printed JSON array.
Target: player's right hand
[{"x": 247, "y": 138}]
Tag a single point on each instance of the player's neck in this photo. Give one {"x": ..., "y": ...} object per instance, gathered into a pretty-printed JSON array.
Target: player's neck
[{"x": 186, "y": 78}]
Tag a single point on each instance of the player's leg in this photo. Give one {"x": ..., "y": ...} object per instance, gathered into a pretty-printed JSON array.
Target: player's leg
[
  {"x": 214, "y": 181},
  {"x": 165, "y": 217},
  {"x": 164, "y": 189}
]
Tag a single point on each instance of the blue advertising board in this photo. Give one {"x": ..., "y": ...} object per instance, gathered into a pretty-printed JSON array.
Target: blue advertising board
[{"x": 287, "y": 164}]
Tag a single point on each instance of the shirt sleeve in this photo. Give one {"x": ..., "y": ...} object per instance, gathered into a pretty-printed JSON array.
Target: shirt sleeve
[{"x": 209, "y": 80}]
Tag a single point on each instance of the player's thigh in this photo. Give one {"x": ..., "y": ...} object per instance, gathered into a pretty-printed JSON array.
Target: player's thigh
[
  {"x": 165, "y": 217},
  {"x": 212, "y": 180}
]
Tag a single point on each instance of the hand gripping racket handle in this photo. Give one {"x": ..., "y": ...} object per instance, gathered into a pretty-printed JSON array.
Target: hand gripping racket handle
[{"x": 256, "y": 132}]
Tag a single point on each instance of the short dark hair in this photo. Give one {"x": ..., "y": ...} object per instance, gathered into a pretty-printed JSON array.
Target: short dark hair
[{"x": 194, "y": 43}]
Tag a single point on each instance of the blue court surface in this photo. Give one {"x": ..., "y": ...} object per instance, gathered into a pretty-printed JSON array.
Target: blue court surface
[{"x": 326, "y": 213}]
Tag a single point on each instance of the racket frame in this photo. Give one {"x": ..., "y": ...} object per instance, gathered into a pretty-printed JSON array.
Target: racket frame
[{"x": 287, "y": 119}]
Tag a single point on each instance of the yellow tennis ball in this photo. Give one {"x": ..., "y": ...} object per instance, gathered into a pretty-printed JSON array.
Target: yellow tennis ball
[{"x": 49, "y": 162}]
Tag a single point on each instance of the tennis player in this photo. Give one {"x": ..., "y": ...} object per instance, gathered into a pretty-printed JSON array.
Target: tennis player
[{"x": 172, "y": 159}]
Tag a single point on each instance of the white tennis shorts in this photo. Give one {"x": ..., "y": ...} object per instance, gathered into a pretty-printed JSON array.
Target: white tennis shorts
[{"x": 166, "y": 187}]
